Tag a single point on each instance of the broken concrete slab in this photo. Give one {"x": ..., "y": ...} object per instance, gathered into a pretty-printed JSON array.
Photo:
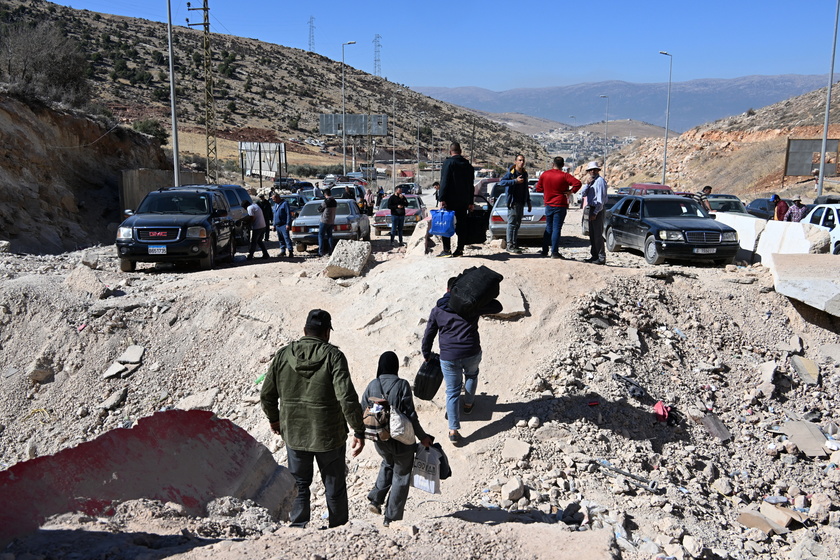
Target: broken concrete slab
[
  {"x": 114, "y": 400},
  {"x": 189, "y": 458},
  {"x": 786, "y": 238},
  {"x": 132, "y": 355},
  {"x": 115, "y": 370},
  {"x": 807, "y": 370},
  {"x": 811, "y": 279},
  {"x": 781, "y": 515},
  {"x": 807, "y": 436},
  {"x": 515, "y": 450},
  {"x": 757, "y": 520},
  {"x": 749, "y": 230},
  {"x": 349, "y": 258},
  {"x": 199, "y": 401}
]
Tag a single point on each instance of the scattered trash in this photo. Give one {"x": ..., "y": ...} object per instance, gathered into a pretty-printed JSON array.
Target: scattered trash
[{"x": 636, "y": 480}]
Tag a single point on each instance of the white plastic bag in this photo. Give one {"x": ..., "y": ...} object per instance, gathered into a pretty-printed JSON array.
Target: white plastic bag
[
  {"x": 402, "y": 429},
  {"x": 425, "y": 475}
]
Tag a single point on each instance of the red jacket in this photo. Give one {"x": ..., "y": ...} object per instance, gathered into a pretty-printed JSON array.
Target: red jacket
[{"x": 555, "y": 185}]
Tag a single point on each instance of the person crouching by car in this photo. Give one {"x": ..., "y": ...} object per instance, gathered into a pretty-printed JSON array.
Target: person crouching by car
[{"x": 394, "y": 477}]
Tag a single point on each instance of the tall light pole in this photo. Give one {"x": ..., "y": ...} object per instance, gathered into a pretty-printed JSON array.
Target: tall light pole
[
  {"x": 175, "y": 156},
  {"x": 417, "y": 175},
  {"x": 343, "y": 111},
  {"x": 606, "y": 122},
  {"x": 828, "y": 105},
  {"x": 394, "y": 147},
  {"x": 667, "y": 113}
]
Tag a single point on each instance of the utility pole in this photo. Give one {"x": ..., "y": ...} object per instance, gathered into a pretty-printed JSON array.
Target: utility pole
[
  {"x": 377, "y": 64},
  {"x": 209, "y": 100},
  {"x": 175, "y": 156},
  {"x": 311, "y": 33}
]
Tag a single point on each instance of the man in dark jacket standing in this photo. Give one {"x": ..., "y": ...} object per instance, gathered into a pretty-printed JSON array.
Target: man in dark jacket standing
[
  {"x": 515, "y": 183},
  {"x": 309, "y": 398},
  {"x": 328, "y": 209},
  {"x": 396, "y": 204},
  {"x": 456, "y": 194},
  {"x": 460, "y": 355},
  {"x": 282, "y": 215}
]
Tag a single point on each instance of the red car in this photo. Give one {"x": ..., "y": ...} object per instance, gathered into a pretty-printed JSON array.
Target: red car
[{"x": 415, "y": 211}]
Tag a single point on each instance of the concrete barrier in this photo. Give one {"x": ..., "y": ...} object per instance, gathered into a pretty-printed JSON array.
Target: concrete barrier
[
  {"x": 790, "y": 238},
  {"x": 186, "y": 457},
  {"x": 749, "y": 230},
  {"x": 811, "y": 279}
]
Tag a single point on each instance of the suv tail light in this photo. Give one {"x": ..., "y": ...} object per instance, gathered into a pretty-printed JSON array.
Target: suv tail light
[{"x": 298, "y": 229}]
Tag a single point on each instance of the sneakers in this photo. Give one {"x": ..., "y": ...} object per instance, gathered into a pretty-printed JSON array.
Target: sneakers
[
  {"x": 375, "y": 508},
  {"x": 386, "y": 522},
  {"x": 544, "y": 253},
  {"x": 282, "y": 255},
  {"x": 468, "y": 408},
  {"x": 444, "y": 255},
  {"x": 558, "y": 256},
  {"x": 455, "y": 438},
  {"x": 514, "y": 250},
  {"x": 458, "y": 254}
]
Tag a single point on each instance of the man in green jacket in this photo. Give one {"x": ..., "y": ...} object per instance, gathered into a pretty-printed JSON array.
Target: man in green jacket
[{"x": 309, "y": 399}]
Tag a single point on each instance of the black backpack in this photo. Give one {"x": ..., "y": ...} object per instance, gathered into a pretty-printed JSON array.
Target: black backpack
[{"x": 474, "y": 288}]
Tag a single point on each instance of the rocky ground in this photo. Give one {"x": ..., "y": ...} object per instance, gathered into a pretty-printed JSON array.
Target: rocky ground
[{"x": 570, "y": 382}]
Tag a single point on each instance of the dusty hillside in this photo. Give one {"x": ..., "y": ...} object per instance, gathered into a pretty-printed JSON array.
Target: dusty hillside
[
  {"x": 743, "y": 155},
  {"x": 263, "y": 92},
  {"x": 59, "y": 176},
  {"x": 547, "y": 383}
]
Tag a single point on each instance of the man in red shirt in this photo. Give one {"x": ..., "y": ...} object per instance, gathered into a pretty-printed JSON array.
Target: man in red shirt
[{"x": 556, "y": 185}]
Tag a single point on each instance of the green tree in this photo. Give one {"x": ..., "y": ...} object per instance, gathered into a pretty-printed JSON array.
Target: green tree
[{"x": 152, "y": 127}]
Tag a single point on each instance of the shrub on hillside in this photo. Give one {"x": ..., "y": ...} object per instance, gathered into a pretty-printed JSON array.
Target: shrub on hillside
[{"x": 152, "y": 127}]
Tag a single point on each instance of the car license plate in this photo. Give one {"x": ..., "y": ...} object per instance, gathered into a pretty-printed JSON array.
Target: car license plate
[
  {"x": 157, "y": 249},
  {"x": 313, "y": 230},
  {"x": 527, "y": 218},
  {"x": 705, "y": 250}
]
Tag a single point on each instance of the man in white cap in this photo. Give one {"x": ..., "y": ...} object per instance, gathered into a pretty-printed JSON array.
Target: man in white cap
[
  {"x": 596, "y": 194},
  {"x": 796, "y": 211}
]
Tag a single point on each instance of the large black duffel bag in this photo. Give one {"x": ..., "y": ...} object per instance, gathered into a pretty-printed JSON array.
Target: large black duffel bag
[
  {"x": 428, "y": 379},
  {"x": 474, "y": 288},
  {"x": 474, "y": 230}
]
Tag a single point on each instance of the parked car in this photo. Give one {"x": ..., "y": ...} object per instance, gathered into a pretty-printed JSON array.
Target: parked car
[
  {"x": 669, "y": 227},
  {"x": 348, "y": 190},
  {"x": 302, "y": 185},
  {"x": 350, "y": 223},
  {"x": 296, "y": 202},
  {"x": 410, "y": 188},
  {"x": 611, "y": 201},
  {"x": 235, "y": 195},
  {"x": 763, "y": 208},
  {"x": 826, "y": 216},
  {"x": 726, "y": 203},
  {"x": 623, "y": 190},
  {"x": 533, "y": 222},
  {"x": 284, "y": 182},
  {"x": 645, "y": 189},
  {"x": 415, "y": 211},
  {"x": 182, "y": 225},
  {"x": 484, "y": 186}
]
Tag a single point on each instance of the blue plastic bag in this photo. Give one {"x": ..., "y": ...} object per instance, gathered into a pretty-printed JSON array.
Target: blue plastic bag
[{"x": 443, "y": 223}]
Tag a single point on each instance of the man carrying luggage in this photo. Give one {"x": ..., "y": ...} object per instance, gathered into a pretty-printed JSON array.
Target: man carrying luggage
[{"x": 456, "y": 194}]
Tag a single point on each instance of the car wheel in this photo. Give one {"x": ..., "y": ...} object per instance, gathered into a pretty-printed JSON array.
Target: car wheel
[
  {"x": 652, "y": 255},
  {"x": 612, "y": 246},
  {"x": 127, "y": 265},
  {"x": 231, "y": 250},
  {"x": 837, "y": 249},
  {"x": 366, "y": 237},
  {"x": 206, "y": 263}
]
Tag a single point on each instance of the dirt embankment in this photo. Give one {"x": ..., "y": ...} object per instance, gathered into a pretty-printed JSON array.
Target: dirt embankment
[{"x": 59, "y": 176}]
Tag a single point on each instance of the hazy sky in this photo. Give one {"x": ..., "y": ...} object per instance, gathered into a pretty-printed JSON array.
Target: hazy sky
[{"x": 506, "y": 45}]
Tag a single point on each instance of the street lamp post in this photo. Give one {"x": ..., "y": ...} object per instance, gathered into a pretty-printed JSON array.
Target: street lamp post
[
  {"x": 606, "y": 123},
  {"x": 821, "y": 178},
  {"x": 667, "y": 113},
  {"x": 343, "y": 110},
  {"x": 394, "y": 146},
  {"x": 417, "y": 175}
]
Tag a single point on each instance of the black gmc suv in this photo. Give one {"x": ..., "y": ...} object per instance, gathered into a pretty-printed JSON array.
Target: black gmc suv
[{"x": 184, "y": 224}]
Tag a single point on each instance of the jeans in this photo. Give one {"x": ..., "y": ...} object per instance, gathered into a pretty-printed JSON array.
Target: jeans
[
  {"x": 397, "y": 223},
  {"x": 596, "y": 237},
  {"x": 257, "y": 236},
  {"x": 454, "y": 374},
  {"x": 333, "y": 474},
  {"x": 325, "y": 239},
  {"x": 394, "y": 476},
  {"x": 554, "y": 218},
  {"x": 460, "y": 230},
  {"x": 514, "y": 221},
  {"x": 284, "y": 239}
]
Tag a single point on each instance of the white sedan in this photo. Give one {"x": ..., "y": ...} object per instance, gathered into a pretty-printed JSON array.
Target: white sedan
[{"x": 826, "y": 216}]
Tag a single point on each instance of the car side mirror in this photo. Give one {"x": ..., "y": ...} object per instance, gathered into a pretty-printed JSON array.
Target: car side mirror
[
  {"x": 634, "y": 215},
  {"x": 219, "y": 213}
]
